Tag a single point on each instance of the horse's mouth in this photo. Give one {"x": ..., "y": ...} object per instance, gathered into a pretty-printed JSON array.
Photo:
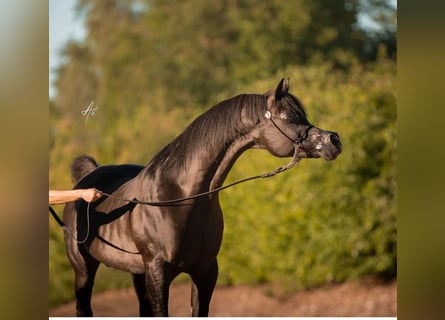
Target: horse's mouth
[
  {"x": 330, "y": 156},
  {"x": 332, "y": 150},
  {"x": 326, "y": 155}
]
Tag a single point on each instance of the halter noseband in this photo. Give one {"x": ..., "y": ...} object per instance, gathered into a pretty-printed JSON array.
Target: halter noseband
[{"x": 296, "y": 142}]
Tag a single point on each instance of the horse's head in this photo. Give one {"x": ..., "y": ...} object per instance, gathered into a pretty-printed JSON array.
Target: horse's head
[{"x": 285, "y": 127}]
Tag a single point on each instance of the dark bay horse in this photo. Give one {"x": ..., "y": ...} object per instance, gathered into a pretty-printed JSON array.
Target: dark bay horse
[{"x": 156, "y": 243}]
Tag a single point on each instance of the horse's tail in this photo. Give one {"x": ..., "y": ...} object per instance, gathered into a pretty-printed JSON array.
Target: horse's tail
[{"x": 81, "y": 166}]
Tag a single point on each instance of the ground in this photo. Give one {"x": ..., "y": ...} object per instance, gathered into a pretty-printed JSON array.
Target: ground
[{"x": 365, "y": 298}]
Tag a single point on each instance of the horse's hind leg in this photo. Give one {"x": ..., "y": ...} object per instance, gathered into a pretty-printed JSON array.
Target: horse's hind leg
[
  {"x": 141, "y": 292},
  {"x": 85, "y": 273}
]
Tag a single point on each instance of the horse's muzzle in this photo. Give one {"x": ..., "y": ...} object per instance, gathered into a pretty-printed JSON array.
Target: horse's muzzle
[
  {"x": 333, "y": 146},
  {"x": 321, "y": 143}
]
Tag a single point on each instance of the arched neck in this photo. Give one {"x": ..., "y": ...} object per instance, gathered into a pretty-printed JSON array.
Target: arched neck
[{"x": 200, "y": 158}]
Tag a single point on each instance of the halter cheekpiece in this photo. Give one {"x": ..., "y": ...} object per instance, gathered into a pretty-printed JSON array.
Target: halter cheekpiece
[{"x": 296, "y": 142}]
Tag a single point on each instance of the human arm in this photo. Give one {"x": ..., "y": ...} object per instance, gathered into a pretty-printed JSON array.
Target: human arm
[{"x": 64, "y": 196}]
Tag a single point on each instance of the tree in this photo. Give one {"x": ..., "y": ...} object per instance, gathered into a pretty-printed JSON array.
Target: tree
[{"x": 187, "y": 51}]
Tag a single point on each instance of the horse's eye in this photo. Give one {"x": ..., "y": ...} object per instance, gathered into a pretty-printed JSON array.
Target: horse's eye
[{"x": 284, "y": 116}]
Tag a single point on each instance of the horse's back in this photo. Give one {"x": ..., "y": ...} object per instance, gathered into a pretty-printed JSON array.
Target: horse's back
[{"x": 109, "y": 177}]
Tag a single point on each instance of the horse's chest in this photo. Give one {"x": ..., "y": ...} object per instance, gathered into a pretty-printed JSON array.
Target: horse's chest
[
  {"x": 207, "y": 238},
  {"x": 200, "y": 238},
  {"x": 181, "y": 236}
]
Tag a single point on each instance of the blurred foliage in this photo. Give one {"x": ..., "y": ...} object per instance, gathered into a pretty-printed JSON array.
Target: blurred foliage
[{"x": 152, "y": 66}]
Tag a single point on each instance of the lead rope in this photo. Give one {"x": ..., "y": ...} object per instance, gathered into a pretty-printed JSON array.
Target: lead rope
[
  {"x": 67, "y": 230},
  {"x": 174, "y": 202},
  {"x": 294, "y": 161}
]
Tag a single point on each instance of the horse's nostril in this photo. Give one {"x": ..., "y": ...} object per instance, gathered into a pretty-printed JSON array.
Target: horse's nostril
[{"x": 335, "y": 139}]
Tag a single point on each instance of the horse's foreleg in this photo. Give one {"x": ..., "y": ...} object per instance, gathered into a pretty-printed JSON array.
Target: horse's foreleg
[
  {"x": 141, "y": 292},
  {"x": 84, "y": 281},
  {"x": 157, "y": 280},
  {"x": 204, "y": 281}
]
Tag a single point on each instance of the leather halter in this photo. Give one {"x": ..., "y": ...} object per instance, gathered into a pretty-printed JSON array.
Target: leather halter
[{"x": 298, "y": 142}]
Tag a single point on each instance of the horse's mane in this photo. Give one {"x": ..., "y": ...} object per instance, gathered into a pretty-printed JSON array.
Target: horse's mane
[{"x": 223, "y": 122}]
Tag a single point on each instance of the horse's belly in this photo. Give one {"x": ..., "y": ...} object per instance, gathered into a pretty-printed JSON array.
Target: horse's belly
[
  {"x": 117, "y": 249},
  {"x": 115, "y": 258}
]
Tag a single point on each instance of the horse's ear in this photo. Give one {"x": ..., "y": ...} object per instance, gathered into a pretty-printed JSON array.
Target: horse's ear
[{"x": 282, "y": 88}]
